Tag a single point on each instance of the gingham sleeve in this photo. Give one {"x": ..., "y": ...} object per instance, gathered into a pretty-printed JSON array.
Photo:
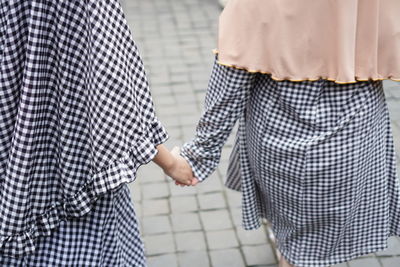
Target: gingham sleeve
[
  {"x": 153, "y": 133},
  {"x": 226, "y": 99}
]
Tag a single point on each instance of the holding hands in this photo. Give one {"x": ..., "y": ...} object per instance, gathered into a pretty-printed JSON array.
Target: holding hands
[
  {"x": 181, "y": 172},
  {"x": 175, "y": 166}
]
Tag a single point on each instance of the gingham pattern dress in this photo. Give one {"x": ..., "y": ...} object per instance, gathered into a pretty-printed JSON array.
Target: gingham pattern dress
[
  {"x": 315, "y": 158},
  {"x": 76, "y": 121},
  {"x": 107, "y": 236}
]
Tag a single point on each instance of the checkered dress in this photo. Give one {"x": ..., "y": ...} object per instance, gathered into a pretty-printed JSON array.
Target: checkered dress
[
  {"x": 315, "y": 158},
  {"x": 107, "y": 236},
  {"x": 76, "y": 120}
]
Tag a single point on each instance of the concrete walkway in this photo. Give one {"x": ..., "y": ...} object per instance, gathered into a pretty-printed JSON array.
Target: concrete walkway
[{"x": 190, "y": 227}]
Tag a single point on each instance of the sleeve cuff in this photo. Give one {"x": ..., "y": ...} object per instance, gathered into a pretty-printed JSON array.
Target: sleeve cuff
[{"x": 201, "y": 168}]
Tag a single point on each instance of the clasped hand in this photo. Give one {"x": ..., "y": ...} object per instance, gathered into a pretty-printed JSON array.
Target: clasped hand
[{"x": 181, "y": 171}]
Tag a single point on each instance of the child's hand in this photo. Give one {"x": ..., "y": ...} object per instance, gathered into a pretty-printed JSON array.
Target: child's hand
[
  {"x": 195, "y": 181},
  {"x": 180, "y": 171}
]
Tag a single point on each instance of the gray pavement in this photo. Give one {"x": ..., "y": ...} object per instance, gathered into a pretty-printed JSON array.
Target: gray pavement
[{"x": 200, "y": 226}]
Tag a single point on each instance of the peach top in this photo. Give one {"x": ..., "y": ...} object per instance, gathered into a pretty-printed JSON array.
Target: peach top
[{"x": 340, "y": 40}]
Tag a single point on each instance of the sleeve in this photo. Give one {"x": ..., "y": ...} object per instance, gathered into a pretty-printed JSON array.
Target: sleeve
[
  {"x": 225, "y": 102},
  {"x": 153, "y": 132},
  {"x": 153, "y": 128}
]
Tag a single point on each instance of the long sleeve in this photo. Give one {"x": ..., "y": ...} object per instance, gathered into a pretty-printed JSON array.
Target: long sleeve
[
  {"x": 225, "y": 102},
  {"x": 150, "y": 130}
]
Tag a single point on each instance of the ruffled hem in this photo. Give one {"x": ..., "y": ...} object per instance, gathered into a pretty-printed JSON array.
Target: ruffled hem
[
  {"x": 107, "y": 179},
  {"x": 279, "y": 79}
]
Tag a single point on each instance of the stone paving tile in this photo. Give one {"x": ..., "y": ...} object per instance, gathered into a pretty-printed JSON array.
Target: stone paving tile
[
  {"x": 175, "y": 39},
  {"x": 163, "y": 261},
  {"x": 136, "y": 192},
  {"x": 155, "y": 190},
  {"x": 183, "y": 204},
  {"x": 151, "y": 175},
  {"x": 255, "y": 237},
  {"x": 160, "y": 244},
  {"x": 212, "y": 184},
  {"x": 370, "y": 262},
  {"x": 179, "y": 191},
  {"x": 393, "y": 250},
  {"x": 396, "y": 133},
  {"x": 182, "y": 222},
  {"x": 155, "y": 207},
  {"x": 390, "y": 262},
  {"x": 190, "y": 241},
  {"x": 212, "y": 201},
  {"x": 229, "y": 257},
  {"x": 194, "y": 259},
  {"x": 258, "y": 255},
  {"x": 236, "y": 216},
  {"x": 216, "y": 220},
  {"x": 156, "y": 225},
  {"x": 138, "y": 210},
  {"x": 234, "y": 199},
  {"x": 222, "y": 239}
]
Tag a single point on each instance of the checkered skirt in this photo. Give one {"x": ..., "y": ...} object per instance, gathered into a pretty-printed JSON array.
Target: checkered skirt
[
  {"x": 76, "y": 114},
  {"x": 315, "y": 158},
  {"x": 107, "y": 236}
]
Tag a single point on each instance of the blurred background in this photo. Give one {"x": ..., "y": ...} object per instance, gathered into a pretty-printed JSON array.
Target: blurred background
[{"x": 201, "y": 226}]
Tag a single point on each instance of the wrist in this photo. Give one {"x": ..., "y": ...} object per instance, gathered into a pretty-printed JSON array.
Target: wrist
[
  {"x": 170, "y": 165},
  {"x": 165, "y": 159}
]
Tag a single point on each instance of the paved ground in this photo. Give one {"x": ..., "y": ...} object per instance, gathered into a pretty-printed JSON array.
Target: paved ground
[{"x": 200, "y": 226}]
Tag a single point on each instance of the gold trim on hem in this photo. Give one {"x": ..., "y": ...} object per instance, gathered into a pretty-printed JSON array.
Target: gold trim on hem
[{"x": 305, "y": 79}]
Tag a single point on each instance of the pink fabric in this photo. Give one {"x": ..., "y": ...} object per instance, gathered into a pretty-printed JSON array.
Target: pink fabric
[{"x": 339, "y": 40}]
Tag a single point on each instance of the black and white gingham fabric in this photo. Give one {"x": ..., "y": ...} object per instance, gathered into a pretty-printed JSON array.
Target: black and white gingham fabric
[
  {"x": 107, "y": 236},
  {"x": 315, "y": 158},
  {"x": 76, "y": 114}
]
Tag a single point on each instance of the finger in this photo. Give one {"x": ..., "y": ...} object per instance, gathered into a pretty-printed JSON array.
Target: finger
[
  {"x": 183, "y": 184},
  {"x": 195, "y": 181}
]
